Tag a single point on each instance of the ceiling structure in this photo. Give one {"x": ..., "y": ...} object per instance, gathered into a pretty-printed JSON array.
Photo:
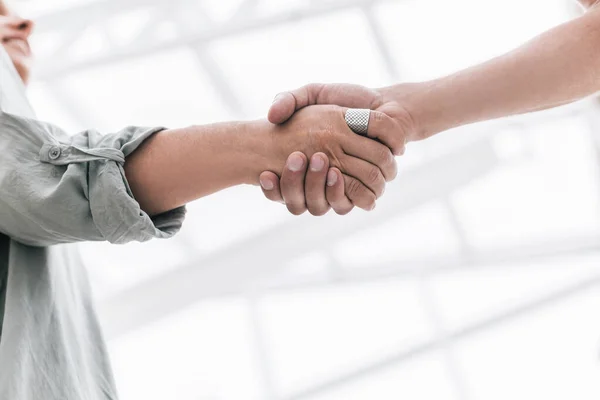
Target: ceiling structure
[{"x": 485, "y": 227}]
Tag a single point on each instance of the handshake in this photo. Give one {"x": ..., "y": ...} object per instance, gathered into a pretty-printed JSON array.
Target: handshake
[{"x": 331, "y": 166}]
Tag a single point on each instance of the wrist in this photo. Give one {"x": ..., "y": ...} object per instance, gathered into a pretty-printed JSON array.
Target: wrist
[
  {"x": 259, "y": 150},
  {"x": 415, "y": 109}
]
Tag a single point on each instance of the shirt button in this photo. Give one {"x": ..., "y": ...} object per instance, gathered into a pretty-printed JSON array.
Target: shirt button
[{"x": 54, "y": 153}]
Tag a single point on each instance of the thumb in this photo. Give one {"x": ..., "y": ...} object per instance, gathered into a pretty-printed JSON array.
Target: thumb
[
  {"x": 287, "y": 103},
  {"x": 340, "y": 94},
  {"x": 283, "y": 107}
]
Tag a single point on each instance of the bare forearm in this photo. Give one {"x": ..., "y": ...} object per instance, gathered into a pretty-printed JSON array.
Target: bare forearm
[
  {"x": 177, "y": 166},
  {"x": 558, "y": 67}
]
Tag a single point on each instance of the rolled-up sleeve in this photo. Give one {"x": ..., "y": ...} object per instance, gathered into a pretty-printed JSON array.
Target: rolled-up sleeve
[{"x": 56, "y": 188}]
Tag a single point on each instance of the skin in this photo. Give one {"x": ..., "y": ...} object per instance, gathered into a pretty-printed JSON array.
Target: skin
[
  {"x": 176, "y": 166},
  {"x": 14, "y": 33},
  {"x": 556, "y": 68},
  {"x": 304, "y": 190},
  {"x": 170, "y": 168},
  {"x": 588, "y": 3}
]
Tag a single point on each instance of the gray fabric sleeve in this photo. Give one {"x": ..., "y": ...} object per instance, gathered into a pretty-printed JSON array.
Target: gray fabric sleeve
[{"x": 56, "y": 188}]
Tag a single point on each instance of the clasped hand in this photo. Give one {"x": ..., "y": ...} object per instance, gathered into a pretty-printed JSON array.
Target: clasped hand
[{"x": 347, "y": 169}]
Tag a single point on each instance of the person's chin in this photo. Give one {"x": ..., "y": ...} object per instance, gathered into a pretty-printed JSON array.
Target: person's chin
[{"x": 23, "y": 68}]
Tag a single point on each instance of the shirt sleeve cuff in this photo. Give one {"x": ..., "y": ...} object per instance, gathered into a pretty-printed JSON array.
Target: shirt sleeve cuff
[{"x": 115, "y": 211}]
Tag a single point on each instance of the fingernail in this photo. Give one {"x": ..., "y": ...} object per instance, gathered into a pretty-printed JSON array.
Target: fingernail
[
  {"x": 373, "y": 207},
  {"x": 266, "y": 184},
  {"x": 316, "y": 163},
  {"x": 331, "y": 178},
  {"x": 295, "y": 163}
]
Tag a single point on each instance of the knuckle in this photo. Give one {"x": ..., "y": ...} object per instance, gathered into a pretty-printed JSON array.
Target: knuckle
[
  {"x": 377, "y": 99},
  {"x": 374, "y": 176},
  {"x": 360, "y": 195},
  {"x": 378, "y": 117},
  {"x": 380, "y": 126},
  {"x": 314, "y": 86},
  {"x": 354, "y": 187},
  {"x": 314, "y": 92},
  {"x": 384, "y": 156}
]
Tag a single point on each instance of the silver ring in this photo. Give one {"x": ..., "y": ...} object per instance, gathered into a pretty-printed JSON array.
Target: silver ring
[{"x": 358, "y": 120}]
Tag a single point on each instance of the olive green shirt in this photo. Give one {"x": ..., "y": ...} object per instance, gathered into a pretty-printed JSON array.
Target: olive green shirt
[{"x": 57, "y": 189}]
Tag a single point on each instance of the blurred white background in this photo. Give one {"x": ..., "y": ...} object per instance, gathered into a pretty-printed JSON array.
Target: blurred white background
[{"x": 477, "y": 277}]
